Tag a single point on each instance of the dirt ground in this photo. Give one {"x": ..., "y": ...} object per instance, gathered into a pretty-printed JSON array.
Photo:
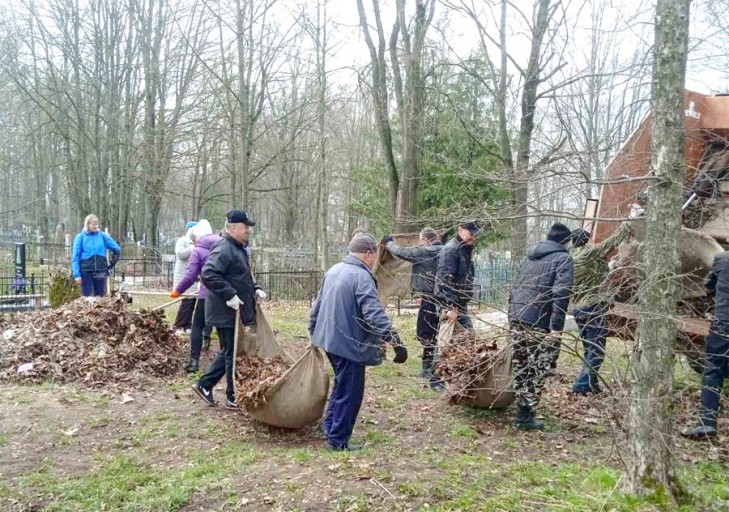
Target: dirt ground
[{"x": 157, "y": 447}]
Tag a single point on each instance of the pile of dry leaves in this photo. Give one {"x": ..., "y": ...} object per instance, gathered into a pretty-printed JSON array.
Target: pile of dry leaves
[
  {"x": 464, "y": 362},
  {"x": 97, "y": 342},
  {"x": 254, "y": 376}
]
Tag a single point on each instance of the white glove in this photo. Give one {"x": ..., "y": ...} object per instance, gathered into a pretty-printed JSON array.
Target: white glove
[
  {"x": 261, "y": 294},
  {"x": 636, "y": 211},
  {"x": 234, "y": 302}
]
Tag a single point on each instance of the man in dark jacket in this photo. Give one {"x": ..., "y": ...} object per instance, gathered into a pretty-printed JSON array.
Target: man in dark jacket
[
  {"x": 231, "y": 297},
  {"x": 347, "y": 321},
  {"x": 716, "y": 351},
  {"x": 538, "y": 304},
  {"x": 454, "y": 275},
  {"x": 424, "y": 258}
]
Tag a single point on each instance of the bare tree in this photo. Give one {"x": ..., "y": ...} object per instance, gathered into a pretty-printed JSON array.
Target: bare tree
[{"x": 650, "y": 425}]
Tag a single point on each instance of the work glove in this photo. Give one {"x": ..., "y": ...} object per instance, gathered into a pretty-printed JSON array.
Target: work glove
[
  {"x": 175, "y": 294},
  {"x": 385, "y": 239},
  {"x": 261, "y": 294},
  {"x": 234, "y": 302},
  {"x": 401, "y": 354}
]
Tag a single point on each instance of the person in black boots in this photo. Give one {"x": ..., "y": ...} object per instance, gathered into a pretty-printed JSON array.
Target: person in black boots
[
  {"x": 716, "y": 350},
  {"x": 538, "y": 303},
  {"x": 424, "y": 258},
  {"x": 231, "y": 298},
  {"x": 454, "y": 281}
]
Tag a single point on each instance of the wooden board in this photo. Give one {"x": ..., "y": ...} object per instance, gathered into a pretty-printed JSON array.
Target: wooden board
[{"x": 685, "y": 324}]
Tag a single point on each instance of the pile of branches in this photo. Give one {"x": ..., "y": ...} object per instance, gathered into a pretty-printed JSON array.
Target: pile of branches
[
  {"x": 464, "y": 362},
  {"x": 97, "y": 342},
  {"x": 254, "y": 376},
  {"x": 701, "y": 211}
]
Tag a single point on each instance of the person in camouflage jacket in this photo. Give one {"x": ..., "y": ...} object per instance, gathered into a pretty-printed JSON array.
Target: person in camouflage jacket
[{"x": 591, "y": 298}]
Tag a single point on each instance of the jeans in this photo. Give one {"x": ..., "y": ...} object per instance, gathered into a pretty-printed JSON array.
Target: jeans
[
  {"x": 716, "y": 369},
  {"x": 222, "y": 365},
  {"x": 592, "y": 322}
]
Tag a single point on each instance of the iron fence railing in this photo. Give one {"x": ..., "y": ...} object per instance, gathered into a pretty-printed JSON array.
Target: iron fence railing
[{"x": 293, "y": 286}]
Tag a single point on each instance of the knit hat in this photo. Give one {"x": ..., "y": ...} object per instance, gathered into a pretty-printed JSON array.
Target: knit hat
[
  {"x": 429, "y": 234},
  {"x": 580, "y": 237},
  {"x": 190, "y": 224},
  {"x": 362, "y": 243},
  {"x": 558, "y": 233}
]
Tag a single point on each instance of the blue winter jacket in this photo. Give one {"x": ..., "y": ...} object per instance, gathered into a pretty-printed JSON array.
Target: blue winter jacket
[
  {"x": 541, "y": 291},
  {"x": 347, "y": 319},
  {"x": 89, "y": 252}
]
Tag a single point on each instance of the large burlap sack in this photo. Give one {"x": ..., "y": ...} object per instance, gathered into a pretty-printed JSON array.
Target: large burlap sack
[
  {"x": 259, "y": 340},
  {"x": 393, "y": 274},
  {"x": 298, "y": 397},
  {"x": 494, "y": 388}
]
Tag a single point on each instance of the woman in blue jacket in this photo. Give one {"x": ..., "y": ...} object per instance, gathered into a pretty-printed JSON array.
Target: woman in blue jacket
[{"x": 89, "y": 264}]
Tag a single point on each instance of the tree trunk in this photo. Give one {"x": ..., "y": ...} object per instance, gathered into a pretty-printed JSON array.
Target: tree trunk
[{"x": 650, "y": 423}]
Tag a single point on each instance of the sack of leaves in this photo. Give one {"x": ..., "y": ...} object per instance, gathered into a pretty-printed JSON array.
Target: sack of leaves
[
  {"x": 478, "y": 373},
  {"x": 274, "y": 388}
]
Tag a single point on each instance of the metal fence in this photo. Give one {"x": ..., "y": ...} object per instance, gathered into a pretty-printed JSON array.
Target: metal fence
[
  {"x": 492, "y": 280},
  {"x": 294, "y": 286},
  {"x": 19, "y": 294},
  {"x": 145, "y": 273}
]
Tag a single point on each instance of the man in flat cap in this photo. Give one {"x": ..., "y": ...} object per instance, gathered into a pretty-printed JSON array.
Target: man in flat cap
[
  {"x": 231, "y": 298},
  {"x": 348, "y": 322},
  {"x": 424, "y": 258},
  {"x": 538, "y": 301}
]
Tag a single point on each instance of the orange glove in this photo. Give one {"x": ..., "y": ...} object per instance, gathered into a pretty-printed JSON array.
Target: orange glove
[{"x": 175, "y": 294}]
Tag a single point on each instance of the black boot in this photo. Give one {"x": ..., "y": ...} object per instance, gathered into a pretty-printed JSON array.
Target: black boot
[
  {"x": 192, "y": 366},
  {"x": 206, "y": 343},
  {"x": 525, "y": 420}
]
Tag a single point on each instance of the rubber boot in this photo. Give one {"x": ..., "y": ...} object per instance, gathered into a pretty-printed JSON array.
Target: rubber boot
[
  {"x": 206, "y": 343},
  {"x": 525, "y": 420},
  {"x": 192, "y": 366}
]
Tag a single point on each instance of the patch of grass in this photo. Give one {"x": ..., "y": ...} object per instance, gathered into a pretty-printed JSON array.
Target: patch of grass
[
  {"x": 125, "y": 483},
  {"x": 507, "y": 487},
  {"x": 3, "y": 440},
  {"x": 458, "y": 429},
  {"x": 99, "y": 421},
  {"x": 378, "y": 437}
]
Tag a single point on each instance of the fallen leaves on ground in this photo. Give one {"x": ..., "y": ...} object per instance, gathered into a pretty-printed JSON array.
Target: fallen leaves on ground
[{"x": 97, "y": 342}]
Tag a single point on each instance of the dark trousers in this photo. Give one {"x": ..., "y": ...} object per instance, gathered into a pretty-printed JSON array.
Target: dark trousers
[
  {"x": 427, "y": 330},
  {"x": 198, "y": 328},
  {"x": 93, "y": 284},
  {"x": 184, "y": 314},
  {"x": 222, "y": 364},
  {"x": 592, "y": 322},
  {"x": 716, "y": 369},
  {"x": 345, "y": 400}
]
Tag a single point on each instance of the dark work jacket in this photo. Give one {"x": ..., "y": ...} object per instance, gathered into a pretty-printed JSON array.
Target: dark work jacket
[
  {"x": 717, "y": 284},
  {"x": 227, "y": 273},
  {"x": 541, "y": 291},
  {"x": 454, "y": 275},
  {"x": 425, "y": 263}
]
